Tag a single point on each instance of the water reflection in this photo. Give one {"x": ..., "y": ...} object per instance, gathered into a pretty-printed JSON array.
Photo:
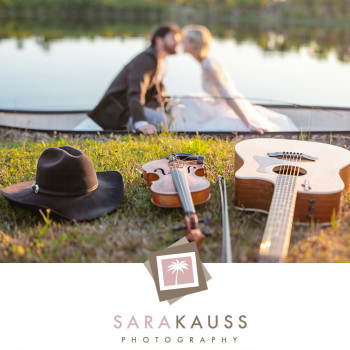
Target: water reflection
[
  {"x": 63, "y": 63},
  {"x": 74, "y": 73}
]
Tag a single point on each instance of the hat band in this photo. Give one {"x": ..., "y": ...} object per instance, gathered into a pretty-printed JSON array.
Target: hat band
[{"x": 37, "y": 189}]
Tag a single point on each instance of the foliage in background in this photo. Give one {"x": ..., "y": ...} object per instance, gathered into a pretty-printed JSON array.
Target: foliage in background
[{"x": 291, "y": 8}]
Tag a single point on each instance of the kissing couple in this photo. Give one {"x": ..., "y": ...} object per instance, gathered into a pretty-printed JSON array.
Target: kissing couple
[{"x": 137, "y": 99}]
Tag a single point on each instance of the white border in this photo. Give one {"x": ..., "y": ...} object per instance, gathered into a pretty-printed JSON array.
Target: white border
[
  {"x": 288, "y": 307},
  {"x": 160, "y": 258}
]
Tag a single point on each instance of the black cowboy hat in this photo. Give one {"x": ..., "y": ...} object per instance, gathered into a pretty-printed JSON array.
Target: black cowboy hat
[{"x": 67, "y": 184}]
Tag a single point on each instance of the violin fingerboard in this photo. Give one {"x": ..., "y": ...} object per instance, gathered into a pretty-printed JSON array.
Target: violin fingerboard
[{"x": 182, "y": 188}]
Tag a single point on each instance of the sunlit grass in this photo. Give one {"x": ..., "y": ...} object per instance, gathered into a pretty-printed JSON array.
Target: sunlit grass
[{"x": 138, "y": 227}]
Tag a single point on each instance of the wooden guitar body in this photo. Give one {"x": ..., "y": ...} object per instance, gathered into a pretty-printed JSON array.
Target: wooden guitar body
[{"x": 320, "y": 182}]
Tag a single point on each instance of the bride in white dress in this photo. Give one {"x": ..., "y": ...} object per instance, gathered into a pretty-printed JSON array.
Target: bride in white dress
[{"x": 226, "y": 109}]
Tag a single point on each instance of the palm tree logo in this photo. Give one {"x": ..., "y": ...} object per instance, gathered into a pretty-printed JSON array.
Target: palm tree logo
[{"x": 177, "y": 266}]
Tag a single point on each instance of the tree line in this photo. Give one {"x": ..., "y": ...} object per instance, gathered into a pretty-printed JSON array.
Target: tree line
[
  {"x": 281, "y": 37},
  {"x": 291, "y": 8}
]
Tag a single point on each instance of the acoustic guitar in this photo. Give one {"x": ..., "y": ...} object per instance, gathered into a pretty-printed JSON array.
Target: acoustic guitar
[{"x": 299, "y": 181}]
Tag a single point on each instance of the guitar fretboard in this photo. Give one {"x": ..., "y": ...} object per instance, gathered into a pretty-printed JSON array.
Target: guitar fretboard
[{"x": 275, "y": 243}]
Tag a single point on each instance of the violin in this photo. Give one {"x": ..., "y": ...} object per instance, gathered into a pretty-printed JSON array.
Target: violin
[{"x": 179, "y": 181}]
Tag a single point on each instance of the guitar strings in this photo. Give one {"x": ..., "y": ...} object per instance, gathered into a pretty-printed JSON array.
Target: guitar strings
[
  {"x": 279, "y": 206},
  {"x": 271, "y": 220},
  {"x": 292, "y": 200},
  {"x": 286, "y": 184},
  {"x": 291, "y": 191},
  {"x": 278, "y": 247}
]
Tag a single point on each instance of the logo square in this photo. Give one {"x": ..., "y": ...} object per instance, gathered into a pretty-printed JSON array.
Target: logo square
[{"x": 177, "y": 271}]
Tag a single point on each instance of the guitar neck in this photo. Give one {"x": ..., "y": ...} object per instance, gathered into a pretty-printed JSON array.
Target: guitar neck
[{"x": 275, "y": 243}]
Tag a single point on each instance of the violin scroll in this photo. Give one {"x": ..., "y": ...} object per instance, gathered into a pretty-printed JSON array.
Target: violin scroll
[{"x": 194, "y": 234}]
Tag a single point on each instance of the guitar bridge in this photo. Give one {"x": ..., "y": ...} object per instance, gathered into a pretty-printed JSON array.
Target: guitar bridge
[{"x": 301, "y": 156}]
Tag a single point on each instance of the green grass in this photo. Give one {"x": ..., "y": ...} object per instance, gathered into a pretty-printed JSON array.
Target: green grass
[{"x": 138, "y": 227}]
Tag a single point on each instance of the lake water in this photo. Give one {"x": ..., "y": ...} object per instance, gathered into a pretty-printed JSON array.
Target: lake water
[{"x": 74, "y": 72}]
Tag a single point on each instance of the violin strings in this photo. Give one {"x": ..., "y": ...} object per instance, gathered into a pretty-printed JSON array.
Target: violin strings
[{"x": 182, "y": 187}]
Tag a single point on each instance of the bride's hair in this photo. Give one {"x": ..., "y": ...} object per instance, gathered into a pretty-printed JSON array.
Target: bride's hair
[{"x": 199, "y": 37}]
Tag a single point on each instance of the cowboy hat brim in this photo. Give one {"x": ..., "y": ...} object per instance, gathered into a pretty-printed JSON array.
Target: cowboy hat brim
[{"x": 105, "y": 199}]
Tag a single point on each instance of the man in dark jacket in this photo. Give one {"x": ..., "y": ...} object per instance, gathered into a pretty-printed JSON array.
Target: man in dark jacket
[{"x": 138, "y": 90}]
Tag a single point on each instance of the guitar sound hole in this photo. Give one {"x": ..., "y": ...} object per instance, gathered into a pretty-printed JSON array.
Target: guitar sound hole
[{"x": 289, "y": 170}]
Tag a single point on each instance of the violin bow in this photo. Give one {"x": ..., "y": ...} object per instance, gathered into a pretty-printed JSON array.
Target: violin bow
[{"x": 226, "y": 252}]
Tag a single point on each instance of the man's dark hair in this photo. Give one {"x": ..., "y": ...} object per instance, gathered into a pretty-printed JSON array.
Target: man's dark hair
[{"x": 162, "y": 30}]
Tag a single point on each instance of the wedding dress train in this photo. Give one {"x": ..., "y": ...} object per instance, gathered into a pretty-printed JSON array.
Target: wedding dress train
[{"x": 215, "y": 113}]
